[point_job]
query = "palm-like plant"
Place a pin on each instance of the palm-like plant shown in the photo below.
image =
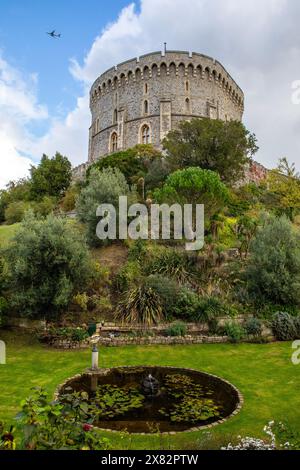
(172, 264)
(140, 304)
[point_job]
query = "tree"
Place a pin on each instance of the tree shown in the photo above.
(158, 170)
(194, 186)
(284, 182)
(47, 262)
(133, 163)
(15, 192)
(224, 147)
(104, 187)
(15, 212)
(51, 178)
(273, 272)
(68, 202)
(246, 229)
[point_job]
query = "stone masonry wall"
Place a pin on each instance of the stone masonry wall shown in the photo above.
(158, 91)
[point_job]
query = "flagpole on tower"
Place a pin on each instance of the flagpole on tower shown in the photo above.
(165, 48)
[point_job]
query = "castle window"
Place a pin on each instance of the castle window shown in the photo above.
(145, 134)
(187, 106)
(114, 142)
(146, 107)
(115, 116)
(187, 86)
(97, 126)
(146, 88)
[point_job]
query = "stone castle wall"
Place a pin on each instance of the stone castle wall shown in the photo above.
(141, 100)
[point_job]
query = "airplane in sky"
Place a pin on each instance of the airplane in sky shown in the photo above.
(54, 35)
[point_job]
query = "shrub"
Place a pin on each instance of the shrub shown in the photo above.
(137, 250)
(68, 203)
(253, 327)
(177, 329)
(187, 305)
(15, 212)
(297, 326)
(45, 206)
(81, 300)
(283, 326)
(234, 331)
(92, 329)
(140, 304)
(210, 308)
(75, 335)
(104, 187)
(48, 262)
(129, 274)
(3, 306)
(274, 268)
(45, 424)
(167, 289)
(173, 264)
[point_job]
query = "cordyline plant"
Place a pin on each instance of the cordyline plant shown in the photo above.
(140, 304)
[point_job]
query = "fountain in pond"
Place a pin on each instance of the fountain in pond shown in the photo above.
(150, 387)
(144, 399)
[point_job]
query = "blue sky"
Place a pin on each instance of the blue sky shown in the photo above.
(27, 47)
(44, 83)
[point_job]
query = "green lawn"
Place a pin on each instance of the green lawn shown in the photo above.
(264, 374)
(6, 233)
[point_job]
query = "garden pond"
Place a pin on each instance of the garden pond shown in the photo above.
(154, 399)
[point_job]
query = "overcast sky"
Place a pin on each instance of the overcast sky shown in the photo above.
(44, 83)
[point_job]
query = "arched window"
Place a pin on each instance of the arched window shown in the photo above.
(187, 86)
(114, 142)
(145, 134)
(146, 88)
(97, 125)
(187, 106)
(115, 116)
(146, 107)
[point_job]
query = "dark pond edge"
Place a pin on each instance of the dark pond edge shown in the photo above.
(103, 372)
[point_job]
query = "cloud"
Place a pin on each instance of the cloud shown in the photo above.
(18, 109)
(68, 136)
(258, 43)
(116, 41)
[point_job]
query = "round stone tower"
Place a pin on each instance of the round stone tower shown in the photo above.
(142, 99)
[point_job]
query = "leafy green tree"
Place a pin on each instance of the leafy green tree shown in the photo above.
(224, 147)
(158, 170)
(284, 182)
(51, 178)
(48, 262)
(194, 186)
(15, 212)
(246, 228)
(133, 163)
(273, 272)
(68, 202)
(45, 206)
(104, 187)
(16, 191)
